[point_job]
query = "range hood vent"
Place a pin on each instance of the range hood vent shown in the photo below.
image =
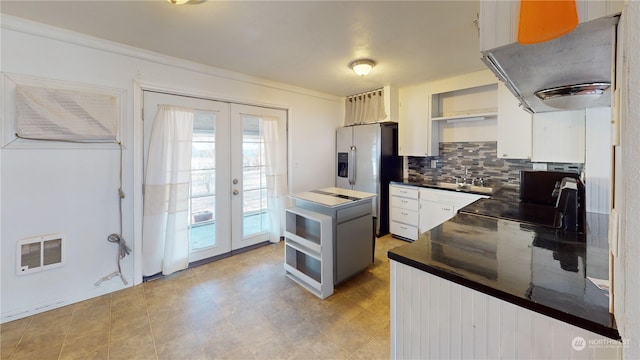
(575, 68)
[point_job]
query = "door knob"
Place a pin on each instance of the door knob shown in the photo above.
(235, 181)
(236, 192)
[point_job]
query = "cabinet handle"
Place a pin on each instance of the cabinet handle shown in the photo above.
(404, 213)
(403, 228)
(445, 209)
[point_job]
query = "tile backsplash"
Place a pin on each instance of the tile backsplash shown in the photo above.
(482, 160)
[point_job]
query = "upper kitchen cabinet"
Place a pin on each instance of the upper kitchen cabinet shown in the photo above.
(559, 137)
(499, 19)
(413, 132)
(391, 103)
(514, 127)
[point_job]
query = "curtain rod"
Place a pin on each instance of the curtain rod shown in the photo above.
(366, 93)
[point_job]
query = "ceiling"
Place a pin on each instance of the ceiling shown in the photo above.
(304, 43)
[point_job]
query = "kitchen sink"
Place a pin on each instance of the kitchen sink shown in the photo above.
(465, 187)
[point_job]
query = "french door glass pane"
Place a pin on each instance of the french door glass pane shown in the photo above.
(255, 217)
(202, 217)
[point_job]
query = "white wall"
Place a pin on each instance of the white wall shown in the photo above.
(74, 190)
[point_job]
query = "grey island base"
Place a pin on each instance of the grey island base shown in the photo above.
(329, 237)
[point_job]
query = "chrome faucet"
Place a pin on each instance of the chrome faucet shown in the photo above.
(466, 174)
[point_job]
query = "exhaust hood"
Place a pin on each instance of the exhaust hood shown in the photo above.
(570, 72)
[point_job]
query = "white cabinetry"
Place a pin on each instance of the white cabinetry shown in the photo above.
(415, 210)
(308, 250)
(434, 213)
(499, 19)
(438, 206)
(559, 137)
(404, 217)
(462, 108)
(413, 132)
(514, 127)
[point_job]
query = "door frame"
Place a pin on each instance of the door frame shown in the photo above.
(139, 87)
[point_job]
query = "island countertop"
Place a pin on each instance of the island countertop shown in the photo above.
(535, 267)
(332, 196)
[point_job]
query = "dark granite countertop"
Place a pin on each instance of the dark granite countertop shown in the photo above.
(532, 266)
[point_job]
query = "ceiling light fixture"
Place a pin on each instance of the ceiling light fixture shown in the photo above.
(362, 66)
(178, 2)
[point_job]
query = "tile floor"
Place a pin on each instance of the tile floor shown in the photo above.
(242, 307)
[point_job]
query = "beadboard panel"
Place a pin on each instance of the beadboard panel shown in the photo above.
(598, 160)
(433, 318)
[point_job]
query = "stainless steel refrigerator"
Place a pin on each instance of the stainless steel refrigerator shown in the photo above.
(367, 159)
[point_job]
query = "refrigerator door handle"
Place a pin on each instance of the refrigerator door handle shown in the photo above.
(352, 165)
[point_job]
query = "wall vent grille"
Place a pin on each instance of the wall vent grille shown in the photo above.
(40, 253)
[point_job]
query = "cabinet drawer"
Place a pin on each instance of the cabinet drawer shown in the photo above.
(405, 191)
(404, 216)
(404, 203)
(406, 231)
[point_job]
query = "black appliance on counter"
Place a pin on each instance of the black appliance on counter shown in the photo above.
(562, 190)
(540, 187)
(547, 198)
(570, 206)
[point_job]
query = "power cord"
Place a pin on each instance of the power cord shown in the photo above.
(123, 249)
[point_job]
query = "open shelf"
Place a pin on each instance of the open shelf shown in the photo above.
(469, 116)
(309, 250)
(465, 103)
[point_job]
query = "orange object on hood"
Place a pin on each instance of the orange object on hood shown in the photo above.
(542, 20)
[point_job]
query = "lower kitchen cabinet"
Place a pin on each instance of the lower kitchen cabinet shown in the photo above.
(438, 206)
(434, 213)
(404, 217)
(415, 210)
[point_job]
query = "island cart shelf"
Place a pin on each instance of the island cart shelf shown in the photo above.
(309, 250)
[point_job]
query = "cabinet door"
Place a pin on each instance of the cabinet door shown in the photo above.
(413, 133)
(433, 213)
(498, 22)
(559, 137)
(514, 127)
(499, 19)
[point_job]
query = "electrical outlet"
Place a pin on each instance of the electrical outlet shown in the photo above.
(434, 164)
(540, 166)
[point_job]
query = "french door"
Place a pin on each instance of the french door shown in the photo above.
(228, 191)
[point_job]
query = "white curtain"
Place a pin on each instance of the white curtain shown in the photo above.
(365, 108)
(165, 230)
(275, 143)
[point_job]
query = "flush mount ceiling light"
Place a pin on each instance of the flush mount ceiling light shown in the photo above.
(178, 2)
(362, 66)
(577, 96)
